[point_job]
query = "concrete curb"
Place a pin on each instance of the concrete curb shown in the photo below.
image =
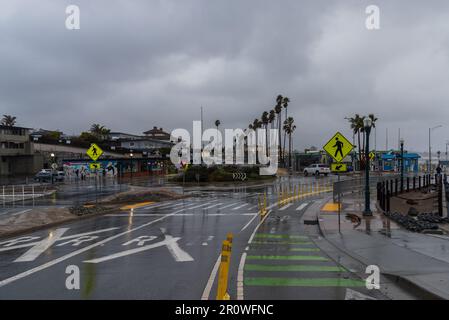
(423, 289)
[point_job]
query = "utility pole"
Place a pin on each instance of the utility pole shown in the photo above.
(429, 168)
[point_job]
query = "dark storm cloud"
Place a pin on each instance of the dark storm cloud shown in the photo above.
(135, 64)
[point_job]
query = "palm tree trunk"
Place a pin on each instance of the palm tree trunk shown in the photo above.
(360, 150)
(290, 152)
(280, 141)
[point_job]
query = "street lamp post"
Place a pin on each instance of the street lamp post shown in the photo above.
(402, 165)
(367, 124)
(132, 165)
(52, 155)
(429, 168)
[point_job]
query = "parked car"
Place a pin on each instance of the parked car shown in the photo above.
(317, 169)
(46, 176)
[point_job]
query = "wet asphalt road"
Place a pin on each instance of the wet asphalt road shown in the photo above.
(169, 250)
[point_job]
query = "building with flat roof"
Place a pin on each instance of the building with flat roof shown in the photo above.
(17, 152)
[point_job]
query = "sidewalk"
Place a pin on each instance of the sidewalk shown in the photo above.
(420, 260)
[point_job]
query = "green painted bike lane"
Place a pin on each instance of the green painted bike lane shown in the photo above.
(282, 262)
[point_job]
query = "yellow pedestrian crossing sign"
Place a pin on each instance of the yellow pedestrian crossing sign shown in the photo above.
(339, 167)
(94, 152)
(338, 147)
(95, 166)
(371, 155)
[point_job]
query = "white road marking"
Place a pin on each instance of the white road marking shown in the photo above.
(212, 206)
(355, 295)
(250, 208)
(302, 206)
(30, 244)
(240, 294)
(178, 215)
(271, 206)
(249, 222)
(285, 207)
(227, 206)
(76, 242)
(41, 246)
(74, 253)
(210, 281)
(240, 277)
(140, 240)
(201, 205)
(243, 205)
(171, 242)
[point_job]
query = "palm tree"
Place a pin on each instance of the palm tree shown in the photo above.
(357, 127)
(271, 118)
(285, 102)
(289, 127)
(99, 131)
(264, 121)
(8, 121)
(278, 110)
(217, 124)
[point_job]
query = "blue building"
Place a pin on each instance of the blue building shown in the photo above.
(391, 161)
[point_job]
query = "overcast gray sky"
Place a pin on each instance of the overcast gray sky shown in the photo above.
(138, 64)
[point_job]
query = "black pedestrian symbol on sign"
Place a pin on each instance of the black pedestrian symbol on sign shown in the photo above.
(94, 151)
(339, 145)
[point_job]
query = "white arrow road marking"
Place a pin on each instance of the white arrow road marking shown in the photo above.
(285, 207)
(9, 244)
(41, 246)
(74, 253)
(243, 205)
(302, 206)
(355, 295)
(171, 242)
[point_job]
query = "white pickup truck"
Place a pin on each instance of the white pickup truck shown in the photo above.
(317, 169)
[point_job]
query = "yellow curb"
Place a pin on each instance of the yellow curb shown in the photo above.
(136, 205)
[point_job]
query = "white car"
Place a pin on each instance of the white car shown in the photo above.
(317, 169)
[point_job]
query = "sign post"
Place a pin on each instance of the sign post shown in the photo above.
(94, 152)
(338, 147)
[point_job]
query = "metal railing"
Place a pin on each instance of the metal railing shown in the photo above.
(14, 193)
(357, 185)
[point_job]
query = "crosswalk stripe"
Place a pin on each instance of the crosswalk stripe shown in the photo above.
(243, 205)
(302, 206)
(285, 207)
(212, 206)
(201, 205)
(227, 206)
